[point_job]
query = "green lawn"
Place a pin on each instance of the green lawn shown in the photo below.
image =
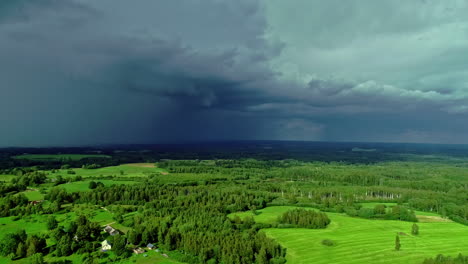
(45, 157)
(6, 177)
(365, 241)
(31, 224)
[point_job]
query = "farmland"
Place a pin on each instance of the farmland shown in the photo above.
(364, 241)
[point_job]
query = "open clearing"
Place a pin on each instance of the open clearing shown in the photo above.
(45, 157)
(363, 240)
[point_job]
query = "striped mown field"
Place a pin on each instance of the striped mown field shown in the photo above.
(361, 241)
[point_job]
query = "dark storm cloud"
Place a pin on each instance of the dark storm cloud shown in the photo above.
(69, 77)
(84, 72)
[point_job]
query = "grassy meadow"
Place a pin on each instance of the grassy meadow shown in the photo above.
(125, 170)
(83, 186)
(360, 240)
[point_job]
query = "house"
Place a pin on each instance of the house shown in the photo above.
(36, 202)
(105, 245)
(138, 250)
(111, 231)
(150, 246)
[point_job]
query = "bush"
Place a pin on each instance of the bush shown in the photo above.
(328, 242)
(92, 185)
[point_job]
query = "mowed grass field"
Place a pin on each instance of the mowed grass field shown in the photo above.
(365, 241)
(45, 157)
(83, 186)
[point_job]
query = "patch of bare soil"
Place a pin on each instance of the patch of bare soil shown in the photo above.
(432, 219)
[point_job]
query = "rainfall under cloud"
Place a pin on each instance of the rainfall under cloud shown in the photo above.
(75, 72)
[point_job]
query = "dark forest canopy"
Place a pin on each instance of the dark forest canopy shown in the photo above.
(352, 152)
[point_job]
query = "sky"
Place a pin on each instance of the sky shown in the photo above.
(84, 72)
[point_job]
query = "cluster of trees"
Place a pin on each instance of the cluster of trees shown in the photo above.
(30, 179)
(304, 218)
(12, 204)
(19, 245)
(441, 259)
(79, 236)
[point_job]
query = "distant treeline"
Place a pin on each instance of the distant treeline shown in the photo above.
(441, 259)
(236, 150)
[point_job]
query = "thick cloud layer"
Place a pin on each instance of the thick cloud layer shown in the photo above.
(76, 72)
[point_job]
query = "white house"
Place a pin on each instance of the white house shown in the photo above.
(105, 245)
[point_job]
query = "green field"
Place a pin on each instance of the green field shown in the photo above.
(83, 186)
(51, 157)
(365, 241)
(6, 177)
(34, 195)
(32, 224)
(137, 170)
(126, 170)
